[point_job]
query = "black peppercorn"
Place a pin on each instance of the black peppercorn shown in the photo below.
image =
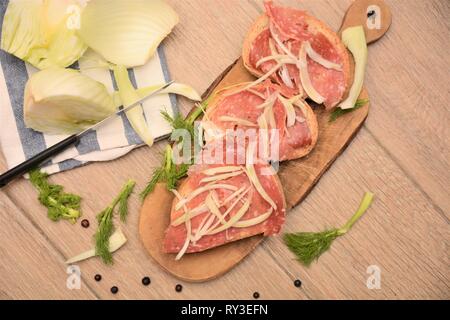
(297, 283)
(146, 281)
(256, 295)
(114, 290)
(178, 288)
(98, 277)
(85, 223)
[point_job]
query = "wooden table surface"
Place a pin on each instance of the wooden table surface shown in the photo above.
(402, 154)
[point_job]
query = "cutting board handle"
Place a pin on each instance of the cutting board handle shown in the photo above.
(373, 15)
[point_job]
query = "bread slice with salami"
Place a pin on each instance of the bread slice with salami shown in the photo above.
(263, 106)
(218, 204)
(299, 52)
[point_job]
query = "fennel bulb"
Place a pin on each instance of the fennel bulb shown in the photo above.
(129, 95)
(64, 101)
(39, 32)
(126, 32)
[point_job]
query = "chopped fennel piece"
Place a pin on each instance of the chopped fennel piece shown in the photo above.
(129, 95)
(354, 39)
(116, 241)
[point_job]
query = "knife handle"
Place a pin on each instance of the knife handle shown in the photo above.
(36, 160)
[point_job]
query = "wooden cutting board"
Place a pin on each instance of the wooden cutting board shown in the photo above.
(333, 139)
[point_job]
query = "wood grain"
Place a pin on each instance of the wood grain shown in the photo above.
(402, 154)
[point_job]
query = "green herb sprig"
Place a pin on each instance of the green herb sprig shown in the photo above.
(169, 172)
(309, 246)
(338, 112)
(60, 205)
(106, 224)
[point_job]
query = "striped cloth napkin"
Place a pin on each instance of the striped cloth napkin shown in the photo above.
(109, 142)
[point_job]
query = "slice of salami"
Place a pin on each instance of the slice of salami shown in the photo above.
(271, 218)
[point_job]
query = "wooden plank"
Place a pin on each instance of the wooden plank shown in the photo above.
(401, 233)
(30, 266)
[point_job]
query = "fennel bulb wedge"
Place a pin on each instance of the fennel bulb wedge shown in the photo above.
(37, 31)
(64, 101)
(126, 32)
(129, 95)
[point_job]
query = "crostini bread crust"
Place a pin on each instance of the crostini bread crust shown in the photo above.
(310, 117)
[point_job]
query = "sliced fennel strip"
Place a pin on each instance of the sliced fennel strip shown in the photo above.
(254, 221)
(251, 173)
(188, 228)
(239, 214)
(256, 93)
(225, 169)
(254, 83)
(302, 65)
(203, 208)
(289, 109)
(319, 59)
(222, 176)
(200, 190)
(227, 212)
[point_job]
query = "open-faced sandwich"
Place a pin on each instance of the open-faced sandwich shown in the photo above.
(299, 52)
(218, 204)
(263, 106)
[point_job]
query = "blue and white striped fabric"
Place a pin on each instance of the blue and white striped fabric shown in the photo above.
(114, 140)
